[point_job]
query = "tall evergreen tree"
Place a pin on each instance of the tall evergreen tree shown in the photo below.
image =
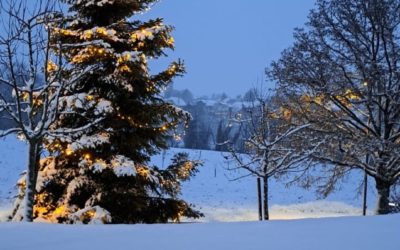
(104, 174)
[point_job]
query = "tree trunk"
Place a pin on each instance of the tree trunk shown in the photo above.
(31, 179)
(383, 189)
(365, 193)
(260, 217)
(266, 211)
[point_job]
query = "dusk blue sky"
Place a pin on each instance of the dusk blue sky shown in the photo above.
(226, 44)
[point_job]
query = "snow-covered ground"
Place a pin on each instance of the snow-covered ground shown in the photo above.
(222, 199)
(213, 191)
(350, 233)
(13, 155)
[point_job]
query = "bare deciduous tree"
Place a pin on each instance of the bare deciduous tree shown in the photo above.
(344, 75)
(32, 82)
(272, 147)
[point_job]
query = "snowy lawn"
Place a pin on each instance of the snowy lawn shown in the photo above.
(221, 199)
(13, 155)
(346, 233)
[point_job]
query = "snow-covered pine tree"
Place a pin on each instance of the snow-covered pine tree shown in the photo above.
(103, 175)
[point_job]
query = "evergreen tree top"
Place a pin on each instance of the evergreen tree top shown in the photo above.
(108, 11)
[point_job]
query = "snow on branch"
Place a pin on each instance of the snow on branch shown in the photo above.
(33, 78)
(272, 146)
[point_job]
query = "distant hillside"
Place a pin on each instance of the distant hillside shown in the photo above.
(213, 120)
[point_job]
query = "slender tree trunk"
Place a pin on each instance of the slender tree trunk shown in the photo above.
(31, 179)
(266, 210)
(365, 193)
(383, 189)
(260, 216)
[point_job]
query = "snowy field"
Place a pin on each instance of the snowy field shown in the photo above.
(221, 199)
(350, 233)
(12, 162)
(213, 191)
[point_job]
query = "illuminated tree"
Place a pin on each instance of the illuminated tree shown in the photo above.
(103, 175)
(344, 66)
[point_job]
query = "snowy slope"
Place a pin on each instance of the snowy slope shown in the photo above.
(212, 190)
(13, 157)
(349, 233)
(222, 199)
